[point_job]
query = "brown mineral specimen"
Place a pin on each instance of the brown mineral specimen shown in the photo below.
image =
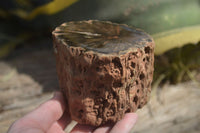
(105, 69)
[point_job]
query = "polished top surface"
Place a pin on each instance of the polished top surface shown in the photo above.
(100, 36)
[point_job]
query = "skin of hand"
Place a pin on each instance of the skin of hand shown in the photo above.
(53, 117)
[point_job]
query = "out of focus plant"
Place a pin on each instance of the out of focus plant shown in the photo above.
(178, 64)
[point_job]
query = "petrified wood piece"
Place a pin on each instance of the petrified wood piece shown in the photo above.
(105, 69)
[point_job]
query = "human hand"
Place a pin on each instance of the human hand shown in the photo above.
(53, 117)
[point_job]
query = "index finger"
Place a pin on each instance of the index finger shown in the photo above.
(49, 112)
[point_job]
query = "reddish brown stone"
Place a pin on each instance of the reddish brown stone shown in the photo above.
(105, 69)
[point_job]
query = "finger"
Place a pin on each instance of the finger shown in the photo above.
(60, 124)
(56, 128)
(104, 129)
(49, 112)
(126, 124)
(64, 120)
(82, 129)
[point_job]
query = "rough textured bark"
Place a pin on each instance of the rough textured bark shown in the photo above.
(105, 69)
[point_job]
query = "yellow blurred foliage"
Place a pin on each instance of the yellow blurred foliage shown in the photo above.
(47, 9)
(176, 38)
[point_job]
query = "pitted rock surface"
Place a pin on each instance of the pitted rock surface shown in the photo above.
(105, 69)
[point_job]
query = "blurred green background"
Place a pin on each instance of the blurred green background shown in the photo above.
(174, 25)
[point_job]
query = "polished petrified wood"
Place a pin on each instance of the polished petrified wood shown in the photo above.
(105, 69)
